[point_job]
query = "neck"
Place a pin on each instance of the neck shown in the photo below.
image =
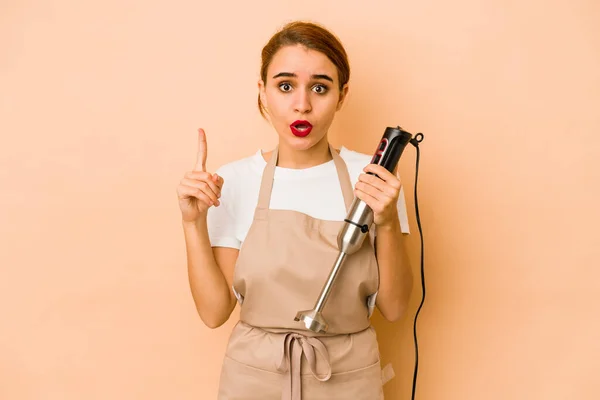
(300, 159)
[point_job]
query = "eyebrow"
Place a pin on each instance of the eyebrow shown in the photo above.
(292, 75)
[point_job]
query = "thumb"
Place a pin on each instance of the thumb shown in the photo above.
(218, 180)
(202, 150)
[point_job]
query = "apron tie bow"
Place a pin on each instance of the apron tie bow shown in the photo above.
(294, 346)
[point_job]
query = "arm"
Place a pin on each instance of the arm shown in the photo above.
(381, 194)
(395, 273)
(210, 274)
(210, 271)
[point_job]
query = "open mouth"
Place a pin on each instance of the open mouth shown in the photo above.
(301, 128)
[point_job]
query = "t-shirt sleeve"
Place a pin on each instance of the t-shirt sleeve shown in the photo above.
(402, 213)
(221, 220)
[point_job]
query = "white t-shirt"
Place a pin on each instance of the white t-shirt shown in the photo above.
(314, 191)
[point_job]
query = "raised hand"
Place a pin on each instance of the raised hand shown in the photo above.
(199, 189)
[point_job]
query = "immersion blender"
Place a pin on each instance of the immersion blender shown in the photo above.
(357, 224)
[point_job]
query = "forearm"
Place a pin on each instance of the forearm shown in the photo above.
(395, 273)
(208, 284)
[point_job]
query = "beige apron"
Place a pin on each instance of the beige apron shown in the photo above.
(281, 268)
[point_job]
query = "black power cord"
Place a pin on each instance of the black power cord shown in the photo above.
(415, 142)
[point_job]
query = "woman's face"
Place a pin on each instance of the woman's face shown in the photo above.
(301, 85)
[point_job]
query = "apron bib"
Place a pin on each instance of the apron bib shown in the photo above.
(282, 265)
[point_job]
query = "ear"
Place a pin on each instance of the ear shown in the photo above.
(343, 94)
(262, 94)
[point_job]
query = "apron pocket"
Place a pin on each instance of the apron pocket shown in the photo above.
(242, 382)
(359, 384)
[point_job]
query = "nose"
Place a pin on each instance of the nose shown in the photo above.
(302, 102)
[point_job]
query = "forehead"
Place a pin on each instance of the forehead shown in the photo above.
(301, 61)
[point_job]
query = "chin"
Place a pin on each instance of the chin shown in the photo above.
(303, 143)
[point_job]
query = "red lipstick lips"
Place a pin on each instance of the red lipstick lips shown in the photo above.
(301, 128)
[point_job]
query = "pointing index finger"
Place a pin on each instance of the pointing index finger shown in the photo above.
(202, 150)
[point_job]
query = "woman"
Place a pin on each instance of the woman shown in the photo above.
(270, 240)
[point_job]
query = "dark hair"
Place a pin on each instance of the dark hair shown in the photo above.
(312, 36)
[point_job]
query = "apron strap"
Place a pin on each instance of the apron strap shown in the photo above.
(266, 185)
(344, 177)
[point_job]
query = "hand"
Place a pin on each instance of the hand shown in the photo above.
(199, 190)
(381, 194)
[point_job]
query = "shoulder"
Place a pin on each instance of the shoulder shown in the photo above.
(355, 161)
(241, 179)
(355, 157)
(241, 168)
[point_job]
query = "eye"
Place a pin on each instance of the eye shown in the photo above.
(285, 86)
(320, 89)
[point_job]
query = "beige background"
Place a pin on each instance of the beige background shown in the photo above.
(99, 105)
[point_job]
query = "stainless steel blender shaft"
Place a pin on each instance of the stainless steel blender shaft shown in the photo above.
(349, 239)
(327, 287)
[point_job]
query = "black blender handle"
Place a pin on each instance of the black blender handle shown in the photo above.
(390, 148)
